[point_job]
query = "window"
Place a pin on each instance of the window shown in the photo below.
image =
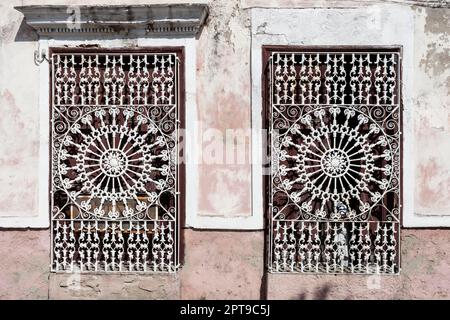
(334, 124)
(115, 178)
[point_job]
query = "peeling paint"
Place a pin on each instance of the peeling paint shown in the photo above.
(434, 188)
(227, 265)
(223, 99)
(18, 186)
(438, 21)
(437, 59)
(432, 125)
(225, 191)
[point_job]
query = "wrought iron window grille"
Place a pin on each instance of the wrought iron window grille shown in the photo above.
(334, 188)
(115, 175)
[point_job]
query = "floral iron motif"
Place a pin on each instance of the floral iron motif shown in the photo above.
(334, 126)
(114, 175)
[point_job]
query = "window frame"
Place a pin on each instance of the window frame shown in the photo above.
(180, 52)
(266, 52)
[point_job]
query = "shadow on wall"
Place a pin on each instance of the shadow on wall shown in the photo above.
(320, 294)
(25, 33)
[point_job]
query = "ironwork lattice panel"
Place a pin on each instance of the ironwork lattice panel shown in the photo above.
(334, 121)
(114, 150)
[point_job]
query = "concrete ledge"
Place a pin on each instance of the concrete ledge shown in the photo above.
(51, 20)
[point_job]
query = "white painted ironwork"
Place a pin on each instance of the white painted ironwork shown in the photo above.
(115, 189)
(334, 126)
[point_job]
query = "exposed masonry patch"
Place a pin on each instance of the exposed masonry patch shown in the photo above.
(340, 4)
(426, 3)
(261, 28)
(283, 38)
(437, 60)
(437, 25)
(437, 21)
(224, 20)
(145, 288)
(104, 286)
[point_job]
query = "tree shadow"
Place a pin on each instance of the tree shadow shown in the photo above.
(320, 294)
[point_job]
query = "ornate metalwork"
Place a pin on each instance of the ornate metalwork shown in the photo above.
(114, 148)
(334, 126)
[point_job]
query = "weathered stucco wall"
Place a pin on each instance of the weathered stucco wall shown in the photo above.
(224, 103)
(217, 265)
(108, 286)
(432, 101)
(423, 34)
(25, 272)
(223, 264)
(19, 95)
(424, 275)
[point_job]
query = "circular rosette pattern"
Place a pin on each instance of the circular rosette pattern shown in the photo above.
(116, 163)
(333, 163)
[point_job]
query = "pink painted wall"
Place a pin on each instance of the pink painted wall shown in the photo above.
(19, 130)
(432, 128)
(424, 275)
(218, 265)
(224, 265)
(223, 98)
(24, 272)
